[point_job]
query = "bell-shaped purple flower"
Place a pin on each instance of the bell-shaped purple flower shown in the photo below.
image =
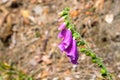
(68, 44)
(72, 52)
(67, 38)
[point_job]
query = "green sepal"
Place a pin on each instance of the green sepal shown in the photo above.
(104, 75)
(87, 53)
(94, 60)
(65, 16)
(93, 55)
(75, 35)
(103, 72)
(67, 23)
(70, 27)
(67, 9)
(63, 13)
(100, 65)
(80, 43)
(83, 50)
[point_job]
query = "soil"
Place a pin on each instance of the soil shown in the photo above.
(28, 37)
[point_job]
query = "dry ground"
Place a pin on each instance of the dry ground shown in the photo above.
(28, 37)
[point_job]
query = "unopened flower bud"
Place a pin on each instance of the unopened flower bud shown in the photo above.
(83, 50)
(62, 26)
(87, 53)
(93, 55)
(103, 72)
(94, 60)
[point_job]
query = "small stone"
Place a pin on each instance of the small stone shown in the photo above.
(67, 78)
(109, 18)
(77, 76)
(38, 10)
(74, 67)
(4, 1)
(56, 78)
(118, 75)
(33, 62)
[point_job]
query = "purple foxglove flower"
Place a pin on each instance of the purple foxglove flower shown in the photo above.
(72, 52)
(62, 26)
(67, 38)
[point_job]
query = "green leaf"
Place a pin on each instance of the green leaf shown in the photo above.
(30, 78)
(1, 78)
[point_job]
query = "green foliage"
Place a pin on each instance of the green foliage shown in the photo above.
(10, 72)
(37, 34)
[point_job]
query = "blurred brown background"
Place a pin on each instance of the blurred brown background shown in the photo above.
(28, 37)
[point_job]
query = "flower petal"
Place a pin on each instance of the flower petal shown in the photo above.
(68, 45)
(67, 39)
(72, 52)
(61, 46)
(62, 33)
